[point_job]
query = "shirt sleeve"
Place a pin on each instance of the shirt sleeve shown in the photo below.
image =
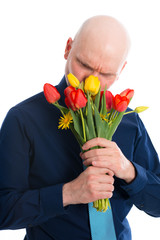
(144, 191)
(20, 206)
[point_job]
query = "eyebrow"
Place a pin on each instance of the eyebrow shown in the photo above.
(89, 67)
(84, 64)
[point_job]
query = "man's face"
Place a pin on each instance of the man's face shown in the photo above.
(84, 60)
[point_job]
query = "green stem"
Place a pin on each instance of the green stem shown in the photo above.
(57, 105)
(128, 112)
(63, 110)
(115, 115)
(83, 126)
(112, 115)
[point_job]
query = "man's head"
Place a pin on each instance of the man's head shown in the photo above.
(99, 48)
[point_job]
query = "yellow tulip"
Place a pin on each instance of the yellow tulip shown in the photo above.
(73, 80)
(92, 85)
(140, 109)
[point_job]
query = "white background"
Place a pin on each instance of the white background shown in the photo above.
(33, 34)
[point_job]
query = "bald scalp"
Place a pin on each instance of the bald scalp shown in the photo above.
(100, 48)
(105, 33)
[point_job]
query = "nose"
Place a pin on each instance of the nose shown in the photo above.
(95, 73)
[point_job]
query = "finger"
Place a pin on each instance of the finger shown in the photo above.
(106, 179)
(96, 170)
(102, 195)
(96, 152)
(89, 161)
(102, 179)
(101, 142)
(104, 187)
(109, 163)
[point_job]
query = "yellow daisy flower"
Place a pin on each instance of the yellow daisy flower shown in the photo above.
(65, 121)
(103, 117)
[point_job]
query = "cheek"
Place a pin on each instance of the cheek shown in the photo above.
(78, 72)
(107, 82)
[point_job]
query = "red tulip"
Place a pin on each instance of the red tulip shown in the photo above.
(80, 99)
(127, 93)
(75, 99)
(67, 90)
(51, 93)
(69, 105)
(109, 99)
(69, 100)
(120, 103)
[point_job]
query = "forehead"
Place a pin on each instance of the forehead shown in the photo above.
(98, 57)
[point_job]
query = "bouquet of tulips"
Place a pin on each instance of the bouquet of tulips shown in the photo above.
(90, 112)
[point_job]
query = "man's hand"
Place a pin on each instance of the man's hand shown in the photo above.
(92, 184)
(108, 156)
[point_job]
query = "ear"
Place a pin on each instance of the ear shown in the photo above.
(68, 47)
(122, 69)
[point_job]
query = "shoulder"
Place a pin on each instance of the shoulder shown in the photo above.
(31, 109)
(130, 128)
(131, 120)
(31, 101)
(28, 105)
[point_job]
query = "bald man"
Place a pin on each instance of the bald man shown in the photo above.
(103, 57)
(43, 186)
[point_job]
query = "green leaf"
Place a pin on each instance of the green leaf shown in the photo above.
(77, 122)
(61, 108)
(114, 125)
(106, 129)
(98, 123)
(87, 130)
(90, 121)
(97, 99)
(102, 126)
(103, 107)
(77, 136)
(81, 86)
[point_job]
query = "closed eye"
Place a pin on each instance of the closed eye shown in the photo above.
(109, 74)
(84, 64)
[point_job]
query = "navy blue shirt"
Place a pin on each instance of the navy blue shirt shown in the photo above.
(36, 159)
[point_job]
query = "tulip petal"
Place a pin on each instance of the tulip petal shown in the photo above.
(80, 99)
(127, 93)
(73, 80)
(51, 93)
(122, 106)
(92, 85)
(68, 90)
(120, 103)
(140, 109)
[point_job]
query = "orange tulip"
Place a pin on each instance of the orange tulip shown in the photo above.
(120, 103)
(127, 93)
